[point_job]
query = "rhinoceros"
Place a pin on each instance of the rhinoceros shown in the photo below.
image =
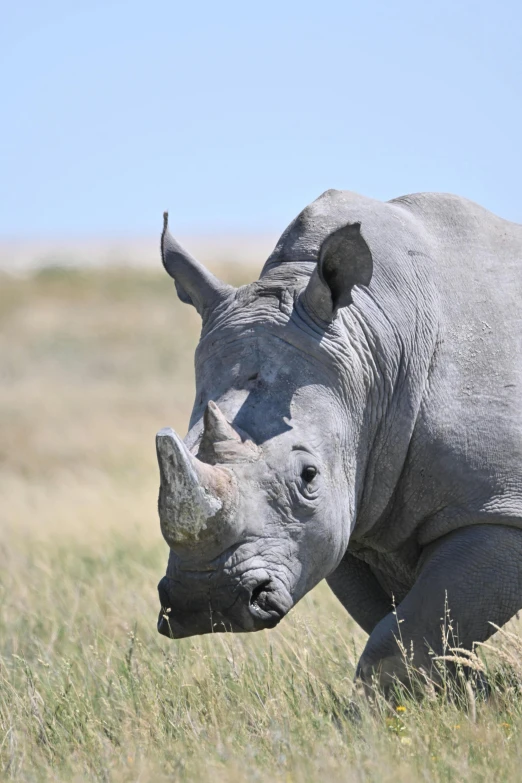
(358, 418)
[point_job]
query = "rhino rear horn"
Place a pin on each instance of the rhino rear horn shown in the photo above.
(217, 428)
(221, 442)
(195, 284)
(196, 501)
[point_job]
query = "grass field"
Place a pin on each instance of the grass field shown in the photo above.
(92, 365)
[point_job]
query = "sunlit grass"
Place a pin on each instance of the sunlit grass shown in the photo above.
(92, 365)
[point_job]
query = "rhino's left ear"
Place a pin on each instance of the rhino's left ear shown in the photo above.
(195, 284)
(345, 260)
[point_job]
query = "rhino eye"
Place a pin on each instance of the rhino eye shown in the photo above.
(309, 473)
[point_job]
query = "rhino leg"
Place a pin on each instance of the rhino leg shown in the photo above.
(468, 579)
(356, 587)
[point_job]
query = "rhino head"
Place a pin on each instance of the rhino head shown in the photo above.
(258, 501)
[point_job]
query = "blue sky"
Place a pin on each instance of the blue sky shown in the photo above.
(235, 115)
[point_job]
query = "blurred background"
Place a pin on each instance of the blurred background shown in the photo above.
(233, 116)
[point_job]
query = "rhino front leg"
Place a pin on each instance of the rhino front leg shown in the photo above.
(360, 593)
(476, 572)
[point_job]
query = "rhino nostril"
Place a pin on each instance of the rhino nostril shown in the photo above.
(258, 597)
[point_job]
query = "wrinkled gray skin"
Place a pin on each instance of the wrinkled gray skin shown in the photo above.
(367, 429)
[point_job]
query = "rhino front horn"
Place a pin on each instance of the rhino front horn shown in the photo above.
(196, 501)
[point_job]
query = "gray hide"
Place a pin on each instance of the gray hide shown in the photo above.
(358, 417)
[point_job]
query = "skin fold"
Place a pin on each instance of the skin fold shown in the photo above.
(358, 417)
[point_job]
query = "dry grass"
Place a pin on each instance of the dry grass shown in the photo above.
(93, 364)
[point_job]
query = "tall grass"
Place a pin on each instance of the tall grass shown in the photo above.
(92, 365)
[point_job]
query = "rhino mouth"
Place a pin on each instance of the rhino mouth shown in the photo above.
(186, 612)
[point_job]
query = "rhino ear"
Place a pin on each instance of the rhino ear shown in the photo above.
(194, 284)
(344, 260)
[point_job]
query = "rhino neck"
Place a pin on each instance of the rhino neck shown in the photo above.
(397, 334)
